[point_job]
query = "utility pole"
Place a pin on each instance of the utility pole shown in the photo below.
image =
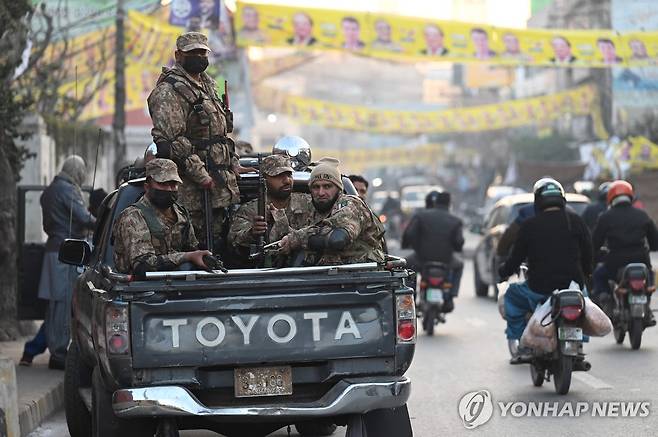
(119, 120)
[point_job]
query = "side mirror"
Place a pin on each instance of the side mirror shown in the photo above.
(74, 252)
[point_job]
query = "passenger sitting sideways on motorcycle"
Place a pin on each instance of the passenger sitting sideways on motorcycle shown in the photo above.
(435, 235)
(557, 247)
(625, 231)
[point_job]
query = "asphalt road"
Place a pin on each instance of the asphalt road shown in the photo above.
(469, 353)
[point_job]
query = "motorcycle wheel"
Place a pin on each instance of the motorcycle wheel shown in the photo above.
(635, 333)
(428, 321)
(620, 334)
(537, 375)
(562, 374)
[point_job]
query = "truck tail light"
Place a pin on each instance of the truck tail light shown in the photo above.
(117, 330)
(406, 318)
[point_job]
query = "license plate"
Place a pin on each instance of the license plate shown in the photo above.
(435, 295)
(263, 381)
(569, 333)
(639, 299)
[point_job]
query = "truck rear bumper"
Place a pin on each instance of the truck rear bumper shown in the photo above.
(357, 395)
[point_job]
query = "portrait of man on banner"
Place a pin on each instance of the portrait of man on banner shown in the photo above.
(250, 29)
(561, 51)
(384, 39)
(351, 34)
(480, 39)
(302, 25)
(434, 41)
(608, 51)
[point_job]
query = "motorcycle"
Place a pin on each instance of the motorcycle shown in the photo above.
(435, 292)
(567, 316)
(631, 303)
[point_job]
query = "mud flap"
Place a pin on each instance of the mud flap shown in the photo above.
(381, 423)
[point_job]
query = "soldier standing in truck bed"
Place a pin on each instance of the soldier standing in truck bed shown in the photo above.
(190, 126)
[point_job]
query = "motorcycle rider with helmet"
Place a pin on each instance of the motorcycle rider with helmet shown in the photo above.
(435, 235)
(629, 234)
(557, 247)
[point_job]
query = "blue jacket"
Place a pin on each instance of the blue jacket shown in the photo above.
(61, 204)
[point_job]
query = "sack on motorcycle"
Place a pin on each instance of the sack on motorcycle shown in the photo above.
(596, 323)
(540, 334)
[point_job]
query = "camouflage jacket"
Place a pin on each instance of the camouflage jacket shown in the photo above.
(185, 113)
(296, 215)
(134, 244)
(365, 231)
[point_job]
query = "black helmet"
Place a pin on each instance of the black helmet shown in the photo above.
(548, 193)
(603, 191)
(435, 199)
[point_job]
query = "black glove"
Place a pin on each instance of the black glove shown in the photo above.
(214, 263)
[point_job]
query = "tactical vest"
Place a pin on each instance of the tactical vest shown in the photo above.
(156, 229)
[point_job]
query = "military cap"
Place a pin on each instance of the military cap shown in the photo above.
(274, 165)
(192, 40)
(162, 170)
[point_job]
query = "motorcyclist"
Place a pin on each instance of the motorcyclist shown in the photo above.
(557, 247)
(595, 209)
(626, 231)
(435, 235)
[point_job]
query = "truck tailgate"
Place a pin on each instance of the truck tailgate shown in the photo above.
(229, 329)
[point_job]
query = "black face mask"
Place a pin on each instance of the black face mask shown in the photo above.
(162, 199)
(195, 64)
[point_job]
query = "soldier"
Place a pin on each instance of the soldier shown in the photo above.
(344, 229)
(286, 210)
(190, 124)
(155, 233)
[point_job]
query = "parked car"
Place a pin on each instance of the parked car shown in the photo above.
(499, 218)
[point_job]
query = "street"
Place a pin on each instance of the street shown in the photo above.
(469, 353)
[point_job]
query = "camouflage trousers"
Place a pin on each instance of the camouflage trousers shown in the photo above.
(218, 226)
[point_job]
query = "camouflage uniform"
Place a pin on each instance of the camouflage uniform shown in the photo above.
(145, 238)
(190, 126)
(364, 229)
(295, 215)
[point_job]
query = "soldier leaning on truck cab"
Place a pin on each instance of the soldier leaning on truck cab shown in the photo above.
(155, 234)
(344, 229)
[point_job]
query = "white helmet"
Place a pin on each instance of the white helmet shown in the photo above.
(296, 148)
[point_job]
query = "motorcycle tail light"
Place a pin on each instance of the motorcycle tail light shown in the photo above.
(435, 282)
(406, 318)
(117, 332)
(637, 284)
(571, 312)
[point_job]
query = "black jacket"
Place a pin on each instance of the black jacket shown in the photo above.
(434, 234)
(628, 233)
(592, 213)
(558, 249)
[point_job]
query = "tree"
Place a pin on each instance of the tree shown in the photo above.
(14, 14)
(31, 74)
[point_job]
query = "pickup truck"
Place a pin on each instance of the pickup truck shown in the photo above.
(243, 352)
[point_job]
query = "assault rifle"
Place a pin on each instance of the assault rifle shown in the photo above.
(256, 251)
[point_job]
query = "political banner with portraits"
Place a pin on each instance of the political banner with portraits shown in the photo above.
(416, 39)
(541, 111)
